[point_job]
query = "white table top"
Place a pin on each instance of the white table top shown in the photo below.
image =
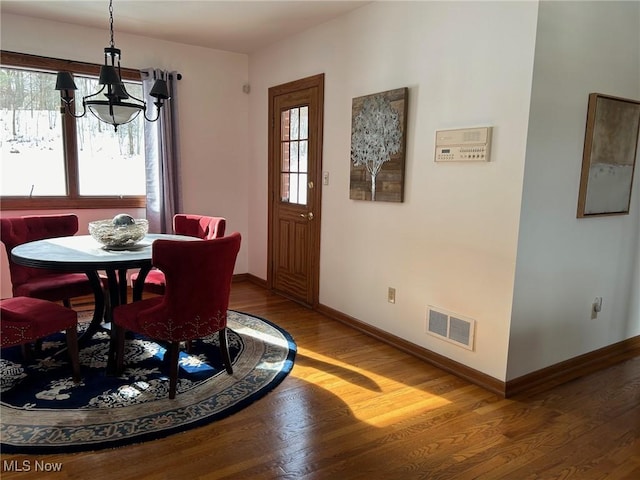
(80, 253)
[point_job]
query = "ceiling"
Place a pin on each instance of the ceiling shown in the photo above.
(236, 26)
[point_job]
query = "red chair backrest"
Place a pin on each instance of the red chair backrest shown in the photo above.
(15, 231)
(198, 283)
(200, 226)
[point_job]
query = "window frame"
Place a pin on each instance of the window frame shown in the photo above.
(70, 145)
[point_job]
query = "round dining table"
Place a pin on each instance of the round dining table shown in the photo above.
(83, 254)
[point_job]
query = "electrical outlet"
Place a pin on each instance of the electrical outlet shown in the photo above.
(596, 307)
(391, 295)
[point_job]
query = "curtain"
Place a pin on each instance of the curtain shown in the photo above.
(162, 160)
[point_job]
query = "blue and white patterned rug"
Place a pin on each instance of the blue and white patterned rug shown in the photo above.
(43, 411)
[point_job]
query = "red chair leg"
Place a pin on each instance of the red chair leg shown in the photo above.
(74, 355)
(224, 348)
(174, 354)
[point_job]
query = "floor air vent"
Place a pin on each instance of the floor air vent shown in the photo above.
(451, 327)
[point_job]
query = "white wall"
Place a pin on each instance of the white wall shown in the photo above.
(452, 242)
(212, 113)
(564, 262)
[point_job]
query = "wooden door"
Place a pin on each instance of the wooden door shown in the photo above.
(295, 188)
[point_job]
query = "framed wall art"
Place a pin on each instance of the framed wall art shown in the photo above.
(378, 124)
(609, 156)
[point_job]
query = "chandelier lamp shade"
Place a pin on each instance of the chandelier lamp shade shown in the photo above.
(112, 103)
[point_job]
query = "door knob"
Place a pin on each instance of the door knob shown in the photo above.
(308, 216)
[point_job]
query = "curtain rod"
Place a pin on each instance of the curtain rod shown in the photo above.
(178, 74)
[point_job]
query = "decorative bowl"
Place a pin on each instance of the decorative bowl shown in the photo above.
(118, 236)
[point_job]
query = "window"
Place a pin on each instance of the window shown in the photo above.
(294, 142)
(51, 160)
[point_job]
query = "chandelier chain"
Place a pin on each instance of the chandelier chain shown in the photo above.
(111, 21)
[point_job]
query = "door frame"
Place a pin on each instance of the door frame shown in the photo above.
(316, 81)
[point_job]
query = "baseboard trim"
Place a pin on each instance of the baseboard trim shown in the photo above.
(527, 384)
(573, 368)
(530, 383)
(474, 376)
(247, 277)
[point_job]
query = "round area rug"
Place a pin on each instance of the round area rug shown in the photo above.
(43, 411)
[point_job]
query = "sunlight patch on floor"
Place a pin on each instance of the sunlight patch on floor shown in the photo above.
(401, 398)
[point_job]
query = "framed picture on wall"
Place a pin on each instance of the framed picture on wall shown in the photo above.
(378, 124)
(609, 156)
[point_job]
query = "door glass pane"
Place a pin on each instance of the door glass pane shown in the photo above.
(302, 156)
(284, 124)
(304, 122)
(302, 197)
(31, 134)
(293, 189)
(110, 162)
(293, 159)
(285, 156)
(284, 187)
(294, 123)
(294, 127)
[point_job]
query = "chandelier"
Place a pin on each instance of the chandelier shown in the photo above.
(120, 107)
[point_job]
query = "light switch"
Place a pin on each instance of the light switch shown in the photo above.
(325, 178)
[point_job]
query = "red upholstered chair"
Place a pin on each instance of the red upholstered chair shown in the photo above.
(38, 282)
(24, 320)
(198, 282)
(199, 226)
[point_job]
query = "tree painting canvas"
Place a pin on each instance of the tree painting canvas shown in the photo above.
(609, 157)
(378, 124)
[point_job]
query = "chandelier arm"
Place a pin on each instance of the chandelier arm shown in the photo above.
(68, 111)
(134, 97)
(87, 97)
(152, 119)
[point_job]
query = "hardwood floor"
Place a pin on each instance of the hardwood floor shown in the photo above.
(354, 408)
